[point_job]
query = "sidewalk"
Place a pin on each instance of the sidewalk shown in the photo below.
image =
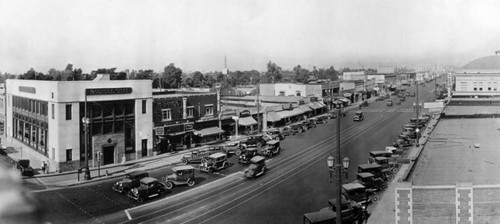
(384, 210)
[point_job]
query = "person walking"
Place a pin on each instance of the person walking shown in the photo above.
(43, 167)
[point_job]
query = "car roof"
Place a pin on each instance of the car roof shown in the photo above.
(136, 172)
(379, 152)
(217, 155)
(353, 186)
(381, 158)
(320, 216)
(147, 180)
(369, 165)
(365, 174)
(257, 159)
(185, 167)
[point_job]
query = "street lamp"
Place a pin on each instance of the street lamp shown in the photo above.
(417, 110)
(86, 122)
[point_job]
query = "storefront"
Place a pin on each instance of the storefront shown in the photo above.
(174, 137)
(274, 120)
(247, 125)
(209, 136)
(317, 108)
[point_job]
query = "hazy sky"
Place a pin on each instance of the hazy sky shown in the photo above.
(196, 35)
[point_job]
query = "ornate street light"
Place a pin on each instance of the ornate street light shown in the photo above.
(86, 122)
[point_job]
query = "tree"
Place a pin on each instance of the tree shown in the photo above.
(171, 76)
(300, 74)
(273, 74)
(198, 79)
(210, 80)
(144, 74)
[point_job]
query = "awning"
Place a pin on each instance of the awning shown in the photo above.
(178, 133)
(209, 131)
(289, 113)
(273, 116)
(347, 94)
(316, 105)
(305, 108)
(247, 121)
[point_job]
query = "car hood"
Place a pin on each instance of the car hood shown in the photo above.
(124, 181)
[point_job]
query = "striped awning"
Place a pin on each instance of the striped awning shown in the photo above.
(273, 116)
(247, 121)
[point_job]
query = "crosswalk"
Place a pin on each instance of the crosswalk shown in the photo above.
(388, 110)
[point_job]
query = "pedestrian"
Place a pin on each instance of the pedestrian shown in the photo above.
(47, 167)
(43, 167)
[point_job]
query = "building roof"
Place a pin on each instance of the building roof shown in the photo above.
(484, 63)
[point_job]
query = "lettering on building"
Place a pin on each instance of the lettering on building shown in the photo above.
(27, 89)
(108, 91)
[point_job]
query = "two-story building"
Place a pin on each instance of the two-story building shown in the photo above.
(48, 118)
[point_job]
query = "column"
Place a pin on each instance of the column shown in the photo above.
(404, 203)
(464, 203)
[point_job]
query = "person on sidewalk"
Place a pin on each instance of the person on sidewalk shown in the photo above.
(43, 167)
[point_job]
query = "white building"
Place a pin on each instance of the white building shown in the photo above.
(46, 116)
(354, 75)
(480, 77)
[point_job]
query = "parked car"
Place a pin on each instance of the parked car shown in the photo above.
(196, 156)
(255, 140)
(371, 182)
(297, 128)
(287, 131)
(214, 162)
(130, 181)
(234, 147)
(248, 154)
(271, 148)
(275, 133)
(23, 165)
(387, 164)
(350, 210)
(374, 154)
(324, 216)
(358, 116)
(308, 124)
(389, 103)
(358, 193)
(257, 167)
(322, 119)
(181, 175)
(394, 150)
(376, 170)
(149, 187)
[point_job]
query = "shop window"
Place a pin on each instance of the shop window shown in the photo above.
(190, 112)
(69, 154)
(68, 111)
(53, 112)
(143, 106)
(209, 109)
(282, 93)
(166, 114)
(297, 93)
(475, 88)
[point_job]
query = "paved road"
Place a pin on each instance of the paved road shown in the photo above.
(297, 181)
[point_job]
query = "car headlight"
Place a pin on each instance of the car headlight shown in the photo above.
(135, 191)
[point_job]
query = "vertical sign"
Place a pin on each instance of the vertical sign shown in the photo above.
(184, 112)
(449, 80)
(218, 101)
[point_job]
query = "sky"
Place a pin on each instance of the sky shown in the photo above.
(196, 35)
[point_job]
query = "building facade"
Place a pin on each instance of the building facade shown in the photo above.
(479, 78)
(47, 117)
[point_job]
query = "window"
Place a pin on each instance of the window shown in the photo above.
(69, 153)
(143, 106)
(166, 114)
(209, 109)
(297, 92)
(282, 93)
(481, 88)
(68, 111)
(190, 112)
(53, 113)
(475, 88)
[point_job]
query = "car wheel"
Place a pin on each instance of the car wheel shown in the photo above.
(237, 152)
(395, 170)
(375, 199)
(259, 144)
(390, 177)
(225, 165)
(169, 185)
(384, 187)
(263, 170)
(185, 161)
(190, 182)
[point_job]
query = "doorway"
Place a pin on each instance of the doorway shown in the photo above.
(144, 147)
(108, 153)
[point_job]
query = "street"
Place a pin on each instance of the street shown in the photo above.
(297, 180)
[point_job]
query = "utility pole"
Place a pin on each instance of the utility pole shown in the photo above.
(338, 166)
(258, 107)
(417, 110)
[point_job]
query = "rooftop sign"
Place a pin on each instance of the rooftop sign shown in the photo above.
(108, 91)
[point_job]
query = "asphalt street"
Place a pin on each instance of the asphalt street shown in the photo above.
(297, 181)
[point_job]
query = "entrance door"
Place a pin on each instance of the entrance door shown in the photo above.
(144, 147)
(108, 153)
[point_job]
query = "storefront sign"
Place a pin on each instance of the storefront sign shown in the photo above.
(160, 131)
(206, 118)
(177, 128)
(27, 89)
(108, 91)
(188, 126)
(245, 113)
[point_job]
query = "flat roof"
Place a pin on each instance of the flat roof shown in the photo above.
(460, 150)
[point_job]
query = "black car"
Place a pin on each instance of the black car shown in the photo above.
(149, 187)
(257, 140)
(23, 165)
(130, 181)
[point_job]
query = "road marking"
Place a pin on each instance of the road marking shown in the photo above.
(128, 215)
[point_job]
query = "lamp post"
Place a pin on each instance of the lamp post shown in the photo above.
(86, 122)
(417, 106)
(340, 164)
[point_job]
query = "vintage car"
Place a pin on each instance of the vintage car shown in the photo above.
(196, 156)
(275, 133)
(374, 154)
(309, 123)
(23, 165)
(389, 103)
(388, 164)
(364, 104)
(255, 140)
(409, 132)
(413, 125)
(257, 167)
(234, 147)
(287, 131)
(149, 187)
(376, 170)
(248, 154)
(298, 128)
(358, 193)
(358, 116)
(321, 119)
(401, 143)
(214, 162)
(371, 182)
(324, 216)
(181, 175)
(130, 181)
(271, 148)
(350, 210)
